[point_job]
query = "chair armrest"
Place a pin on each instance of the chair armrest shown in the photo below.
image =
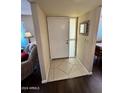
(26, 68)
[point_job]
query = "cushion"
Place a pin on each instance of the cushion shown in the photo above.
(24, 56)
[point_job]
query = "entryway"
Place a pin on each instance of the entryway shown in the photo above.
(62, 41)
(66, 68)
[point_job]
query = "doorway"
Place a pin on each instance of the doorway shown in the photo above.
(62, 37)
(58, 29)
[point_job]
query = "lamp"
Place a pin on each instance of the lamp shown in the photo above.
(28, 35)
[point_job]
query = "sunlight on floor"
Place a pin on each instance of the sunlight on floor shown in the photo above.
(66, 68)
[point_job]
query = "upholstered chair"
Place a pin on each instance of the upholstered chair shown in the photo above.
(27, 66)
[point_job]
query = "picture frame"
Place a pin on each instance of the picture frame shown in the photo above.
(84, 28)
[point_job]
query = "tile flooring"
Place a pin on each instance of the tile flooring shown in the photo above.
(66, 68)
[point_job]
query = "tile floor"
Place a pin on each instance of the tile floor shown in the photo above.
(66, 68)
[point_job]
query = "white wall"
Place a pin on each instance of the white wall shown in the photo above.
(44, 39)
(29, 26)
(86, 44)
(39, 19)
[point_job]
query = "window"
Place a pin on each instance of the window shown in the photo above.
(72, 37)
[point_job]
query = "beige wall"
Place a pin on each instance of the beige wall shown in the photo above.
(44, 39)
(86, 44)
(40, 24)
(29, 26)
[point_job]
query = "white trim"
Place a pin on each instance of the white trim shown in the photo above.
(44, 81)
(90, 73)
(48, 74)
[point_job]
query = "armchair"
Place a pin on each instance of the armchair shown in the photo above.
(28, 65)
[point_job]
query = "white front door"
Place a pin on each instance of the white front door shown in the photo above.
(58, 29)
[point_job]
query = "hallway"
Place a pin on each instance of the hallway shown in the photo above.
(66, 68)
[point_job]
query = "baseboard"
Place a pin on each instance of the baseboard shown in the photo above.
(44, 81)
(90, 73)
(47, 76)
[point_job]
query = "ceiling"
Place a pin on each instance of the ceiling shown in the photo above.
(71, 8)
